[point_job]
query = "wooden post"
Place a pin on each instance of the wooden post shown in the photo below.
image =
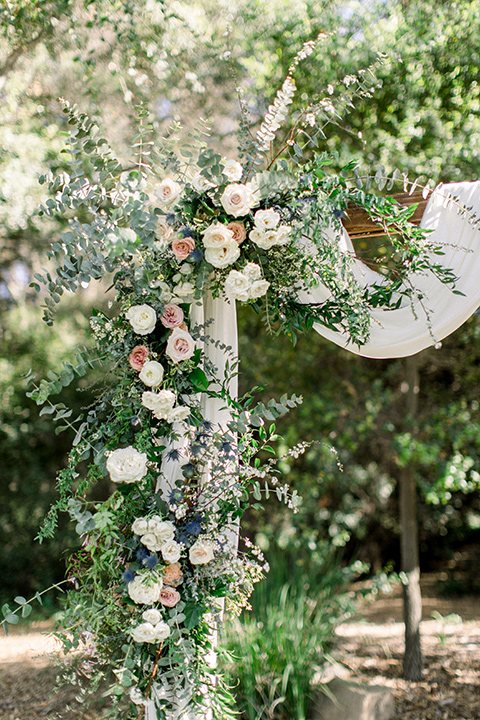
(412, 608)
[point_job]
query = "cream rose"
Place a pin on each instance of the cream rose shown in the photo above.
(265, 239)
(163, 529)
(178, 414)
(252, 271)
(217, 236)
(266, 219)
(152, 616)
(145, 590)
(200, 183)
(151, 541)
(159, 403)
(151, 373)
(184, 291)
(163, 232)
(145, 632)
(283, 234)
(127, 465)
(142, 318)
(140, 526)
(222, 256)
(232, 170)
(180, 345)
(168, 191)
(171, 551)
(162, 631)
(236, 286)
(258, 288)
(201, 553)
(237, 200)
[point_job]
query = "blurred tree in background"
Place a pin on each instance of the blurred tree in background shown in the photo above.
(185, 60)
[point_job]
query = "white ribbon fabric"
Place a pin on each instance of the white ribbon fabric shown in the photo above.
(412, 328)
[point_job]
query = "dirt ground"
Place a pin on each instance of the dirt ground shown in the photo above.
(369, 649)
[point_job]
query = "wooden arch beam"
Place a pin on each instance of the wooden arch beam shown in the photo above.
(359, 225)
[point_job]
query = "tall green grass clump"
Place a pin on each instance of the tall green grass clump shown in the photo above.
(279, 647)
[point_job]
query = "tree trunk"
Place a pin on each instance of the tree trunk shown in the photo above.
(412, 598)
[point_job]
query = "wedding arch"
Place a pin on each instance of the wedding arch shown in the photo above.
(183, 236)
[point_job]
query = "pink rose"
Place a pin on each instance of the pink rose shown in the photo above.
(172, 316)
(182, 247)
(172, 575)
(180, 346)
(138, 357)
(239, 232)
(169, 597)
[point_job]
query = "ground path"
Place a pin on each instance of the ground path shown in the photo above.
(369, 649)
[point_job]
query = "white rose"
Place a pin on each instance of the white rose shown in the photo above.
(159, 403)
(151, 373)
(126, 465)
(258, 288)
(237, 200)
(223, 256)
(233, 170)
(178, 414)
(163, 232)
(201, 553)
(236, 286)
(180, 345)
(144, 590)
(145, 632)
(217, 236)
(162, 631)
(142, 318)
(171, 551)
(252, 271)
(283, 234)
(266, 219)
(151, 541)
(200, 183)
(152, 616)
(168, 191)
(265, 239)
(163, 529)
(140, 526)
(184, 291)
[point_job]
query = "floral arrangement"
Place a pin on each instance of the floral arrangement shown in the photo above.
(158, 561)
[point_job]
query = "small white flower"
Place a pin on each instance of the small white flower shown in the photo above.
(201, 553)
(162, 631)
(159, 403)
(163, 529)
(266, 219)
(171, 551)
(145, 632)
(201, 184)
(168, 191)
(163, 232)
(220, 257)
(127, 465)
(152, 616)
(184, 291)
(265, 239)
(232, 170)
(236, 286)
(178, 414)
(151, 373)
(283, 234)
(142, 318)
(151, 541)
(252, 271)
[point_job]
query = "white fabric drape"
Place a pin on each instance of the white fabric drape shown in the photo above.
(406, 331)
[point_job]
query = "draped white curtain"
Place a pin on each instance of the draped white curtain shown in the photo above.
(410, 329)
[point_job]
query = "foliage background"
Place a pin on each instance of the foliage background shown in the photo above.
(185, 59)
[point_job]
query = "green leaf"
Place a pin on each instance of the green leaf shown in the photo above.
(12, 619)
(198, 379)
(20, 600)
(26, 611)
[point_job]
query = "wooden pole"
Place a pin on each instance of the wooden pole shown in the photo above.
(358, 224)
